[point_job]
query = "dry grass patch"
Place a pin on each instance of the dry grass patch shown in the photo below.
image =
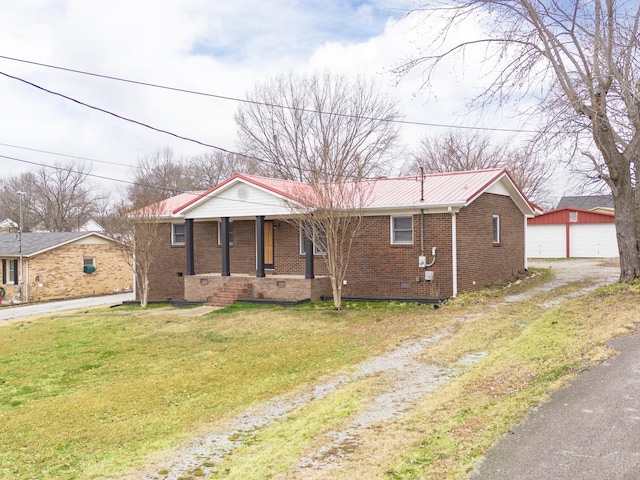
(519, 370)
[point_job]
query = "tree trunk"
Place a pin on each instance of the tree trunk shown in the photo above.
(144, 297)
(623, 189)
(627, 231)
(336, 287)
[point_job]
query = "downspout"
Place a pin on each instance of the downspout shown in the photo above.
(526, 264)
(422, 211)
(422, 231)
(454, 254)
(25, 285)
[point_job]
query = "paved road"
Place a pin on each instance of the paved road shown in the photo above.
(587, 431)
(19, 311)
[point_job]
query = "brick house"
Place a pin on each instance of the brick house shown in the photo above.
(62, 265)
(239, 236)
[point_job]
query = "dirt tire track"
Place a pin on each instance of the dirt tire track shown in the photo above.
(410, 380)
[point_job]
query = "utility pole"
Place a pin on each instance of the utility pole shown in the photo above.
(20, 273)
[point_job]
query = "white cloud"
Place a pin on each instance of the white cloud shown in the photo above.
(216, 47)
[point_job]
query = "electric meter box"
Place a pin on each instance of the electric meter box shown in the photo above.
(429, 274)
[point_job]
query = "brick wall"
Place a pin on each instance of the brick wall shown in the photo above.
(166, 275)
(480, 261)
(200, 287)
(377, 269)
(58, 273)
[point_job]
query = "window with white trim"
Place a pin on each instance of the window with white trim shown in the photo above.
(495, 227)
(220, 233)
(402, 230)
(177, 234)
(88, 264)
(319, 242)
(13, 271)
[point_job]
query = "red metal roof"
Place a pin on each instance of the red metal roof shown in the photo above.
(170, 205)
(454, 188)
(561, 216)
(443, 189)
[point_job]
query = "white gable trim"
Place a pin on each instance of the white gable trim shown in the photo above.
(239, 199)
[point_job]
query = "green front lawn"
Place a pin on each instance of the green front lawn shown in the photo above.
(93, 394)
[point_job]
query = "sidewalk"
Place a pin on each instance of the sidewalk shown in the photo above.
(19, 311)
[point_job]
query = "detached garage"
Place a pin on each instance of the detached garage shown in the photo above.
(572, 232)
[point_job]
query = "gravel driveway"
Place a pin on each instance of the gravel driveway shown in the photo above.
(408, 379)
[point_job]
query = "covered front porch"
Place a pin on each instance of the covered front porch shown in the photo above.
(241, 240)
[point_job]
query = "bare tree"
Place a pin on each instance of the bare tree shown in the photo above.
(532, 172)
(579, 62)
(330, 133)
(159, 175)
(10, 200)
(318, 128)
(330, 215)
(454, 152)
(208, 169)
(138, 230)
(57, 198)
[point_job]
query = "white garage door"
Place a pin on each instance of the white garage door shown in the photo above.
(546, 241)
(593, 240)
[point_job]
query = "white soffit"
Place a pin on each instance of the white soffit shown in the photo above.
(498, 188)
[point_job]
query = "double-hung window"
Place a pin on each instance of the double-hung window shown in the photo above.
(402, 230)
(10, 272)
(177, 234)
(319, 242)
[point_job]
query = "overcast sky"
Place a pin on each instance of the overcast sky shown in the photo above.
(221, 48)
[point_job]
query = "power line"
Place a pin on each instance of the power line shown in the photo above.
(137, 184)
(120, 117)
(65, 169)
(69, 156)
(167, 132)
(254, 102)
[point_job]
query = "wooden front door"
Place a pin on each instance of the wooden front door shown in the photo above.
(268, 244)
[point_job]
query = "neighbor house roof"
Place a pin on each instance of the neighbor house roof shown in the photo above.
(587, 202)
(456, 189)
(7, 223)
(34, 243)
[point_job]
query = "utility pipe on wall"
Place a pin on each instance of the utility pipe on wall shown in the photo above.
(454, 254)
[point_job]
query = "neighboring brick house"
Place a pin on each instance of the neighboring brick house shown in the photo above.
(475, 221)
(62, 265)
